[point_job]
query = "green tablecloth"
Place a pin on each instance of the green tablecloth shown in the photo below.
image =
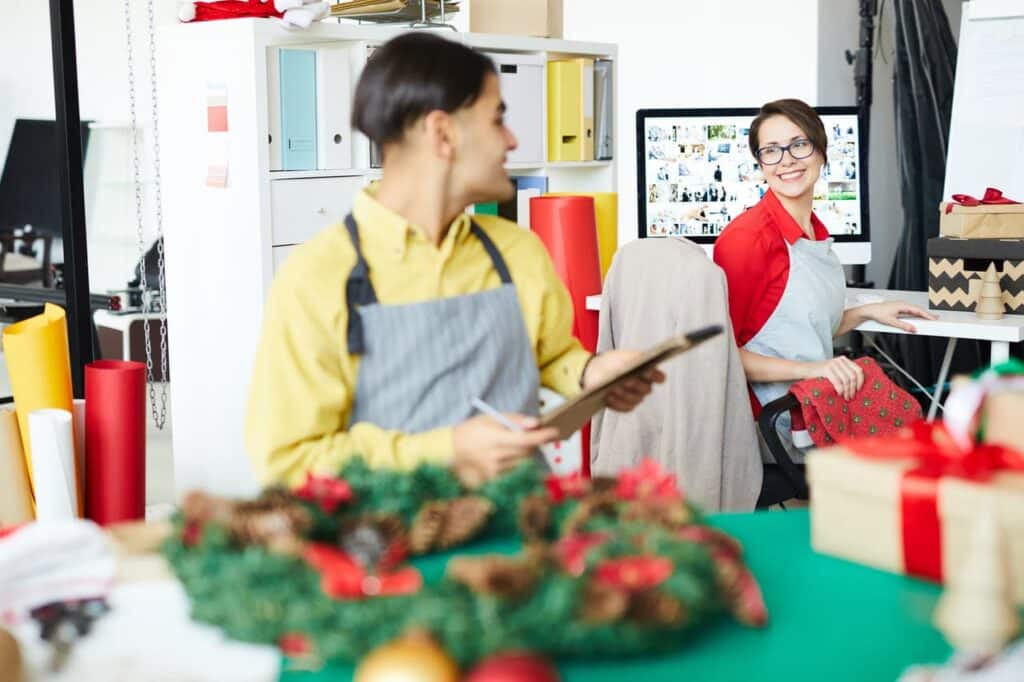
(829, 619)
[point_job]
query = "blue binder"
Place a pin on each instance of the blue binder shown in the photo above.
(298, 109)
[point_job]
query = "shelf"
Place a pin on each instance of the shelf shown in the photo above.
(320, 173)
(578, 164)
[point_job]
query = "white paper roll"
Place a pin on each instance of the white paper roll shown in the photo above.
(15, 491)
(53, 464)
(79, 425)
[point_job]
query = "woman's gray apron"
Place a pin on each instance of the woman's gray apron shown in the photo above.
(802, 325)
(422, 363)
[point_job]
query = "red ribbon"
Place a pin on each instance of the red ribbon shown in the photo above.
(991, 196)
(937, 455)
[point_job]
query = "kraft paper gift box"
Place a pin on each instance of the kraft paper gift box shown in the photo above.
(864, 509)
(956, 267)
(987, 221)
(540, 18)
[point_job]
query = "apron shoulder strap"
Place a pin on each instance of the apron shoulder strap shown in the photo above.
(496, 258)
(359, 291)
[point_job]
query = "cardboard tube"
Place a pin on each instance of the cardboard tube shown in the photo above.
(53, 464)
(606, 214)
(15, 492)
(115, 441)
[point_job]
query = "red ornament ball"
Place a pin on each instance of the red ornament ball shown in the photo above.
(513, 667)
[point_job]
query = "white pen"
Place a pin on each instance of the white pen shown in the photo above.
(498, 416)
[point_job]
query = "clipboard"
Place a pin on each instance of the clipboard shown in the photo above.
(573, 414)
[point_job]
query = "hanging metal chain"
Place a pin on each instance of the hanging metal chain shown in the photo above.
(159, 416)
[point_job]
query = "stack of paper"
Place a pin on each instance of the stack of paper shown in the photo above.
(391, 10)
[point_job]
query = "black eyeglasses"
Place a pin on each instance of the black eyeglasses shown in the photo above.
(800, 148)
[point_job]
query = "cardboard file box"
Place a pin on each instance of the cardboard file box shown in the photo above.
(522, 88)
(956, 266)
(540, 18)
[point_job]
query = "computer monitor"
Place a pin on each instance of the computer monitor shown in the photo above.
(695, 173)
(30, 184)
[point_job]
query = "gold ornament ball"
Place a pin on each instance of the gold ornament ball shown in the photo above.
(411, 659)
(10, 658)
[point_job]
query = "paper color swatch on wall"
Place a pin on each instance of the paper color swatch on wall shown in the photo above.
(217, 136)
(39, 365)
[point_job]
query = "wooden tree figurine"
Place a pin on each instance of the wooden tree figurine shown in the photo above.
(976, 612)
(990, 298)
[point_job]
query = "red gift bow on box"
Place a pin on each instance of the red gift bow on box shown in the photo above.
(937, 455)
(991, 196)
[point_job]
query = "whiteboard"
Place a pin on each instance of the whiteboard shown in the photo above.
(986, 132)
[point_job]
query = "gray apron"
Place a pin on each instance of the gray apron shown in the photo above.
(802, 325)
(422, 363)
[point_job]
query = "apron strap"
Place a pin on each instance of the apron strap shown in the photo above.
(496, 258)
(358, 292)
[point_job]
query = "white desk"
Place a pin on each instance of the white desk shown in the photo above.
(951, 325)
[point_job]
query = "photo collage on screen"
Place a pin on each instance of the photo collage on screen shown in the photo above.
(700, 175)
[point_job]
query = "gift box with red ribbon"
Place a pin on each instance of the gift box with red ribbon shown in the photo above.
(990, 216)
(906, 503)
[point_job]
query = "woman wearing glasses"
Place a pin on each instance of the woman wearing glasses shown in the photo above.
(787, 289)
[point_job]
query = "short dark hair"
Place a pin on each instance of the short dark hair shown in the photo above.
(800, 113)
(411, 75)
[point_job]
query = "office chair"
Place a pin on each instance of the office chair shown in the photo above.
(783, 479)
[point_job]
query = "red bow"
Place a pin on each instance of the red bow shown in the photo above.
(991, 196)
(937, 455)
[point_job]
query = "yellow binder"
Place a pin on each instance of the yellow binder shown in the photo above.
(571, 110)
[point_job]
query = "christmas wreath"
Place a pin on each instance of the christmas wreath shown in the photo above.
(609, 566)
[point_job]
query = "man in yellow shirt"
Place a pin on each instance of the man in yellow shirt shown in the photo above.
(379, 331)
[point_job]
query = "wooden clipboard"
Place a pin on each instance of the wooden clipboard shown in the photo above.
(570, 416)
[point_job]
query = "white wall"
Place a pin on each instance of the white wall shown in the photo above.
(698, 53)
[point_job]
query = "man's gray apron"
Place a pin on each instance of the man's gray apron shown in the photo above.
(422, 363)
(802, 325)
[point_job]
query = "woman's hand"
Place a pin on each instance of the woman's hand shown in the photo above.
(845, 375)
(628, 394)
(889, 313)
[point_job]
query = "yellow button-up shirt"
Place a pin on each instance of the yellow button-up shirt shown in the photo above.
(304, 379)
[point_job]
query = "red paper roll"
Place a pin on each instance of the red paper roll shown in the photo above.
(567, 226)
(115, 441)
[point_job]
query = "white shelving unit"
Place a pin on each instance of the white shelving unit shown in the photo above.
(222, 245)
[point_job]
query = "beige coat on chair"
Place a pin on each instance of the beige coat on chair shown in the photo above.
(698, 424)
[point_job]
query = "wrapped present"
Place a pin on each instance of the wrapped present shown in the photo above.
(905, 503)
(993, 216)
(956, 267)
(988, 407)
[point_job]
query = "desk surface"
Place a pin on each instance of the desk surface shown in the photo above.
(950, 324)
(830, 619)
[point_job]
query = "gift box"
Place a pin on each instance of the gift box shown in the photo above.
(996, 221)
(540, 18)
(956, 267)
(906, 503)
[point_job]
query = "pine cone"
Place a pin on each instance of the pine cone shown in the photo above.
(273, 521)
(427, 526)
(669, 514)
(199, 507)
(376, 541)
(464, 518)
(603, 604)
(652, 607)
(495, 575)
(534, 517)
(604, 504)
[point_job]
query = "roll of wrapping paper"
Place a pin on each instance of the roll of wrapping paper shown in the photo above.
(606, 214)
(115, 441)
(40, 369)
(15, 493)
(566, 225)
(53, 464)
(78, 422)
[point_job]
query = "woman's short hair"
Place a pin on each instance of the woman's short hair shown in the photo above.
(410, 76)
(800, 113)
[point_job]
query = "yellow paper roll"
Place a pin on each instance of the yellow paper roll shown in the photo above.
(15, 493)
(606, 211)
(40, 368)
